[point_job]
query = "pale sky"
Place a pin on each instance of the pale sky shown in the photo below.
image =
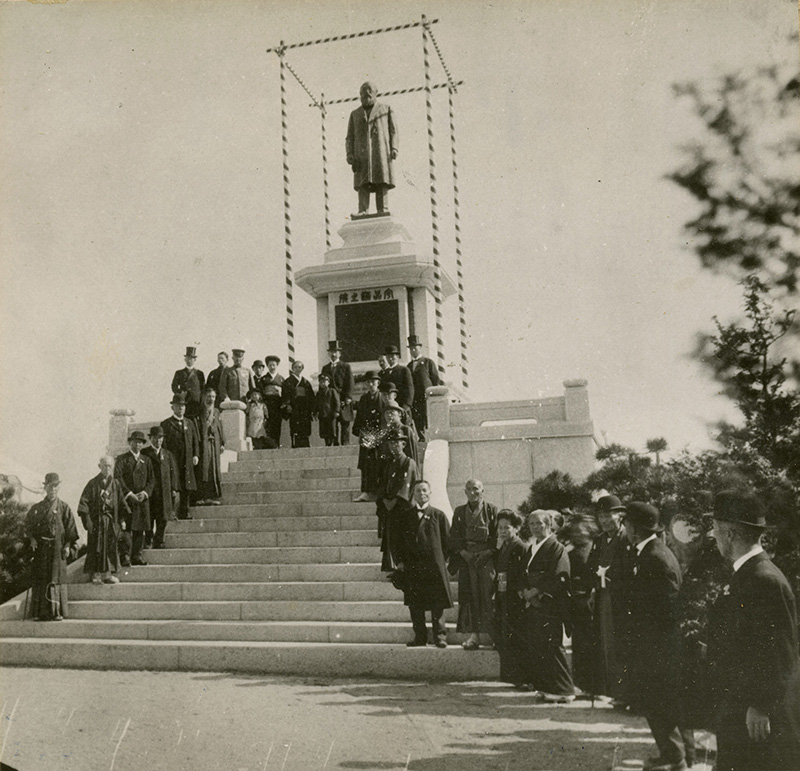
(142, 197)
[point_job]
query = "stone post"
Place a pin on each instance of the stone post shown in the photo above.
(576, 401)
(118, 427)
(234, 425)
(438, 413)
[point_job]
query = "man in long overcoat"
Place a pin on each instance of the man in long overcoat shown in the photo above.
(340, 377)
(181, 439)
(136, 477)
(101, 508)
(212, 442)
(753, 648)
(189, 381)
(215, 376)
(372, 143)
(165, 490)
(423, 546)
(425, 374)
(400, 375)
(51, 533)
(654, 637)
(298, 405)
(366, 427)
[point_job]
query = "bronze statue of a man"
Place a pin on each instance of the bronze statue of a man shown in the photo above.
(372, 144)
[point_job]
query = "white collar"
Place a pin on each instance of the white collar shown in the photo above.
(538, 545)
(757, 549)
(640, 546)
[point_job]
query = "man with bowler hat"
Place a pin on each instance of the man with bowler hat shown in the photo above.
(135, 475)
(752, 647)
(164, 500)
(654, 637)
(189, 381)
(424, 374)
(400, 375)
(182, 440)
(237, 380)
(340, 377)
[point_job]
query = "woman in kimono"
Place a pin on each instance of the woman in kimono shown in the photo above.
(546, 598)
(51, 532)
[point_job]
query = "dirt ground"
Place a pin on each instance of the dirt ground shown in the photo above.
(115, 721)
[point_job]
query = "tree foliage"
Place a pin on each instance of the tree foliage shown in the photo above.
(14, 550)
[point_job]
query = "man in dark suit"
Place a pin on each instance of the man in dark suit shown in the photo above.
(654, 637)
(423, 545)
(753, 647)
(215, 376)
(189, 381)
(134, 472)
(182, 440)
(424, 374)
(400, 375)
(165, 490)
(340, 376)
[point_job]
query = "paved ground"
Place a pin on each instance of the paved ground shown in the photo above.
(115, 721)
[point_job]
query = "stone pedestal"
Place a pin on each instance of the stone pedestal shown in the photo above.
(118, 428)
(374, 290)
(234, 425)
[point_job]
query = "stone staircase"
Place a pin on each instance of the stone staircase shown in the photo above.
(284, 577)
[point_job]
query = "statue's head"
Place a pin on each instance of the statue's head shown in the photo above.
(368, 94)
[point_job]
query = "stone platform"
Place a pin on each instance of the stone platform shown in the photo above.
(283, 578)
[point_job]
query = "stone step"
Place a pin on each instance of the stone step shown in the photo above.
(240, 573)
(236, 470)
(286, 496)
(307, 659)
(350, 450)
(264, 555)
(331, 591)
(367, 521)
(274, 538)
(253, 610)
(297, 508)
(248, 463)
(262, 481)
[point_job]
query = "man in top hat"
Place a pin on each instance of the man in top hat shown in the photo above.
(182, 440)
(424, 534)
(215, 376)
(136, 478)
(164, 499)
(297, 404)
(400, 375)
(654, 637)
(753, 647)
(371, 145)
(101, 509)
(189, 381)
(425, 374)
(608, 564)
(340, 376)
(237, 380)
(271, 386)
(51, 533)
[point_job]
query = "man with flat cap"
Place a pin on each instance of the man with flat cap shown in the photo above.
(366, 427)
(371, 145)
(752, 647)
(608, 564)
(425, 374)
(400, 375)
(136, 478)
(340, 377)
(182, 440)
(237, 380)
(654, 636)
(271, 386)
(189, 381)
(164, 500)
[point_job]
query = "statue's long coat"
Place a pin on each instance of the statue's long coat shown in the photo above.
(369, 144)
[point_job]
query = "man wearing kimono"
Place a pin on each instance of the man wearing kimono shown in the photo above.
(423, 545)
(297, 405)
(372, 143)
(212, 443)
(165, 490)
(51, 532)
(101, 508)
(180, 438)
(136, 478)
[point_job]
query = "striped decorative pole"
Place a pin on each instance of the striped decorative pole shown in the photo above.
(437, 268)
(287, 213)
(353, 35)
(462, 313)
(323, 114)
